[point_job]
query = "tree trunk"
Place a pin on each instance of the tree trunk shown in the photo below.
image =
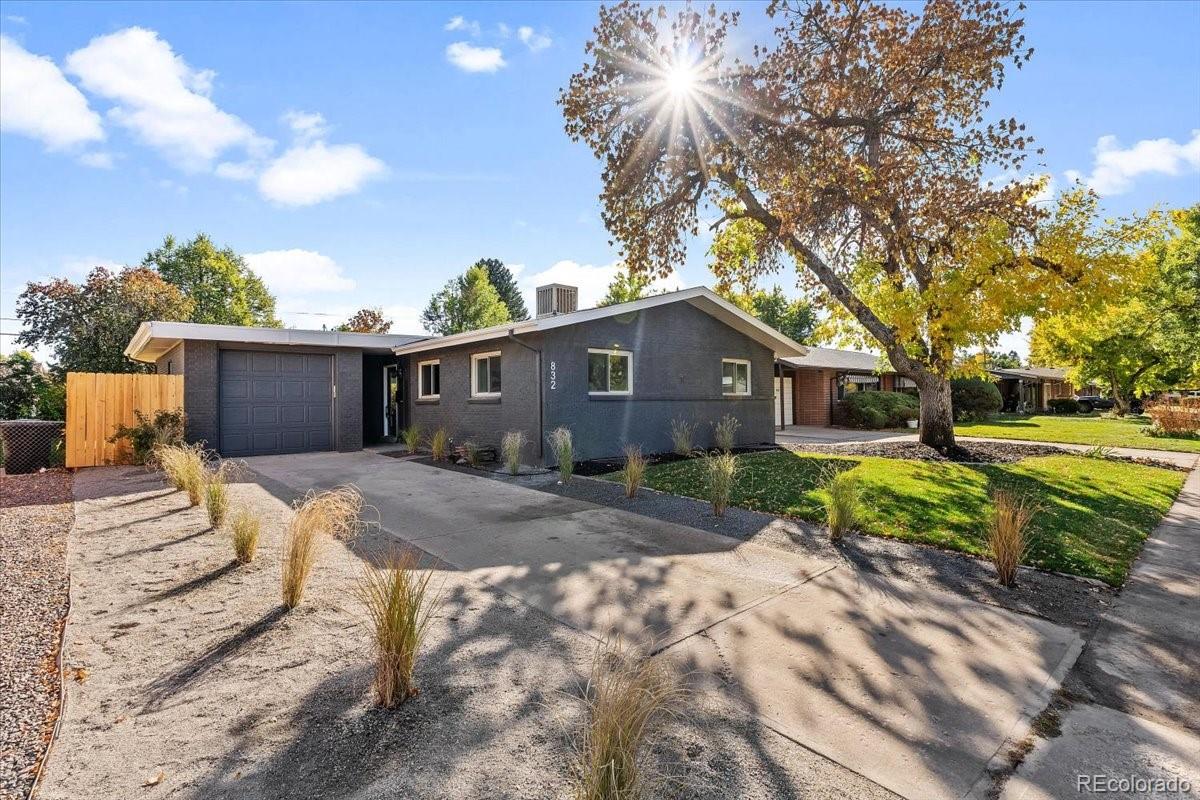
(937, 416)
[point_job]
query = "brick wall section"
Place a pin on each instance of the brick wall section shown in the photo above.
(348, 366)
(887, 382)
(170, 362)
(200, 391)
(813, 396)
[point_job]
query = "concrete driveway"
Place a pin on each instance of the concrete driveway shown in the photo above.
(913, 689)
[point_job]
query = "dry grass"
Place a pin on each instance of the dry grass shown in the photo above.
(564, 452)
(1008, 534)
(628, 697)
(841, 508)
(184, 467)
(216, 491)
(725, 432)
(439, 444)
(244, 529)
(721, 472)
(412, 437)
(634, 470)
(510, 450)
(336, 513)
(401, 604)
(683, 436)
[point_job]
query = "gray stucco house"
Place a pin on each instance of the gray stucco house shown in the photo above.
(615, 375)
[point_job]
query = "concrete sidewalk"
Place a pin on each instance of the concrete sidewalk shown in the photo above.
(914, 689)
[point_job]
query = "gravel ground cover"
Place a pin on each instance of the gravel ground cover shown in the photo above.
(197, 685)
(35, 514)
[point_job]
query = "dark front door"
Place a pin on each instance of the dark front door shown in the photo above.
(275, 402)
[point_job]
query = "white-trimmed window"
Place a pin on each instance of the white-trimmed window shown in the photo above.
(735, 376)
(485, 374)
(429, 380)
(610, 371)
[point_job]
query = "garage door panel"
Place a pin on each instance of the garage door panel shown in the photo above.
(275, 402)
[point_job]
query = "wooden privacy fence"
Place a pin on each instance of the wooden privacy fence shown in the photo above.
(97, 402)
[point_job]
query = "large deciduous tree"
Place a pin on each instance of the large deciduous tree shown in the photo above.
(859, 146)
(366, 320)
(505, 283)
(88, 325)
(223, 289)
(466, 303)
(1143, 341)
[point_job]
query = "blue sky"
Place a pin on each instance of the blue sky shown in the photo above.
(364, 154)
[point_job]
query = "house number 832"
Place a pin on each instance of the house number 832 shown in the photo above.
(553, 375)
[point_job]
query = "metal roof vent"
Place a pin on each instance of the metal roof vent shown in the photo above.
(556, 298)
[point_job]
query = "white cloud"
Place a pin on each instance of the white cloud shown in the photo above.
(161, 99)
(459, 23)
(97, 160)
(306, 126)
(311, 173)
(37, 100)
(295, 271)
(470, 58)
(533, 40)
(237, 170)
(405, 319)
(16, 19)
(591, 280)
(1115, 169)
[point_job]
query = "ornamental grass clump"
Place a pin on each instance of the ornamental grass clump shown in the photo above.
(627, 697)
(216, 494)
(1008, 533)
(183, 466)
(401, 604)
(725, 432)
(412, 437)
(336, 514)
(683, 435)
(720, 470)
(564, 452)
(439, 444)
(634, 470)
(841, 509)
(244, 529)
(510, 450)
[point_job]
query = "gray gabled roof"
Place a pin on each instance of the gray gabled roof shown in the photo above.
(849, 360)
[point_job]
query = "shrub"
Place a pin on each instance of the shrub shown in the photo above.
(510, 449)
(1176, 418)
(974, 398)
(468, 451)
(184, 467)
(401, 606)
(335, 513)
(683, 434)
(245, 527)
(564, 451)
(164, 428)
(412, 437)
(725, 432)
(1098, 451)
(627, 698)
(216, 495)
(841, 510)
(634, 470)
(875, 410)
(721, 470)
(1008, 534)
(439, 444)
(1063, 405)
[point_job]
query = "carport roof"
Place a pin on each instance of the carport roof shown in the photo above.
(155, 338)
(829, 358)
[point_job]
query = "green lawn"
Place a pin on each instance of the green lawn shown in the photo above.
(1110, 432)
(1095, 513)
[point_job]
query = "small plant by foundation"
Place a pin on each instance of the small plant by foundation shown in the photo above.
(184, 467)
(841, 509)
(627, 699)
(725, 432)
(335, 513)
(412, 437)
(683, 436)
(634, 470)
(1008, 533)
(721, 473)
(400, 603)
(216, 494)
(510, 450)
(244, 529)
(439, 444)
(563, 447)
(469, 452)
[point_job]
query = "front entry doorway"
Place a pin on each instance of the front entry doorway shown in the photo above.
(391, 401)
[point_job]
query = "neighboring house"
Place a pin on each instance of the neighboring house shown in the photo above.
(615, 375)
(1032, 388)
(810, 385)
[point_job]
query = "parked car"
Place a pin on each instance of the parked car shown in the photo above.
(1094, 402)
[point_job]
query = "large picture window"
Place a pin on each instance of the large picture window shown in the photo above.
(429, 379)
(610, 372)
(735, 376)
(485, 374)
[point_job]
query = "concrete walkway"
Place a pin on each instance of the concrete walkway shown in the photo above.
(914, 689)
(1141, 673)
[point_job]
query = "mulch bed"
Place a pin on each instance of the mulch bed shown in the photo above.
(603, 466)
(36, 513)
(965, 453)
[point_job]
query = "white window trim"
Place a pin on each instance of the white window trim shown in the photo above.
(475, 357)
(421, 380)
(749, 378)
(614, 352)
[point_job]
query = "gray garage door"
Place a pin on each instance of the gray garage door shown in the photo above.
(275, 402)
